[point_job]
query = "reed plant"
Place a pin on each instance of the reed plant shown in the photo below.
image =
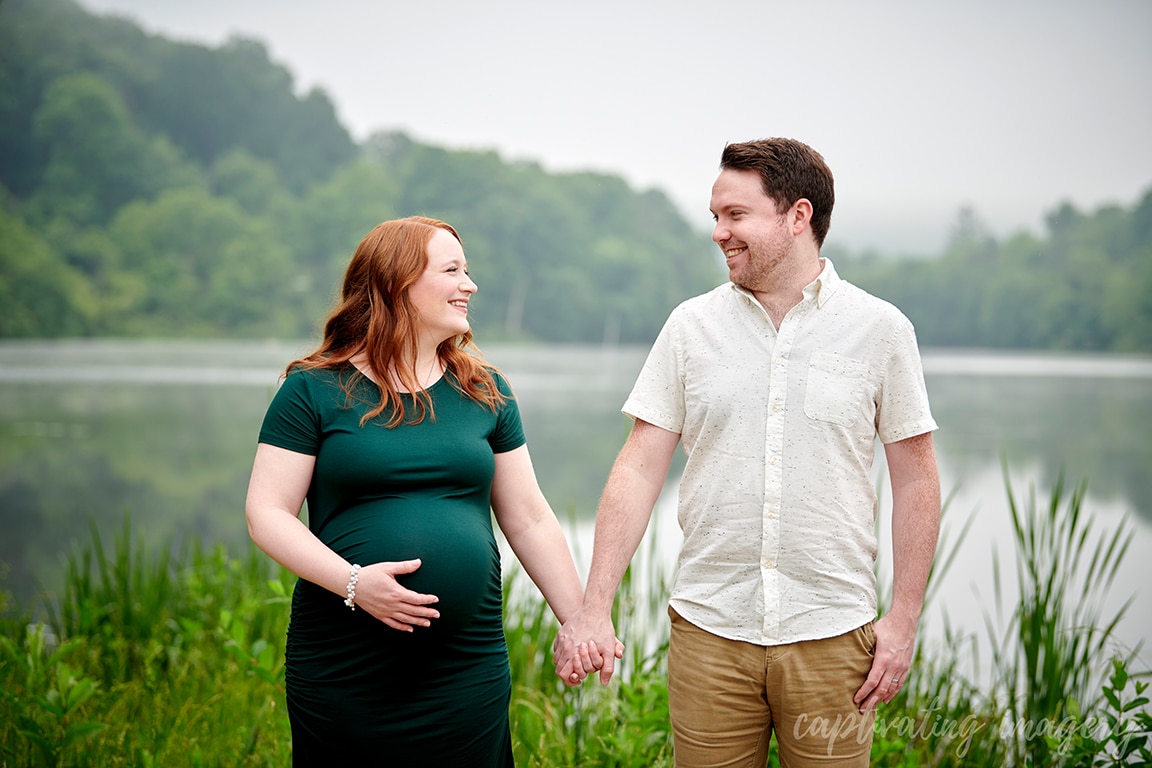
(175, 658)
(1047, 698)
(1055, 649)
(149, 659)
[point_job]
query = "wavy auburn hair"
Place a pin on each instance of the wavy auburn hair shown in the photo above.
(375, 316)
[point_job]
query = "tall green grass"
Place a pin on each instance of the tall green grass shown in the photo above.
(1046, 698)
(149, 660)
(1055, 647)
(176, 659)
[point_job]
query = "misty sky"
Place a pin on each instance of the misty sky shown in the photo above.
(920, 108)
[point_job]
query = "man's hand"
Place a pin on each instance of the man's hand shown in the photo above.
(895, 643)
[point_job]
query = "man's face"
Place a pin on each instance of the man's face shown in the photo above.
(754, 237)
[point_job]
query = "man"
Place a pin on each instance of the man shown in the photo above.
(777, 386)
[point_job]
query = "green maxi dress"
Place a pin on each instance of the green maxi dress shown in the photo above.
(357, 689)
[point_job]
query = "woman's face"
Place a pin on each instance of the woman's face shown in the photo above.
(441, 294)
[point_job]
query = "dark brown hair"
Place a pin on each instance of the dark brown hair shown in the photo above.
(375, 316)
(789, 170)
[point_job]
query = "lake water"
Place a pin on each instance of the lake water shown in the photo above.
(163, 432)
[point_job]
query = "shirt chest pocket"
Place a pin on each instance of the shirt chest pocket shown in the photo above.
(835, 389)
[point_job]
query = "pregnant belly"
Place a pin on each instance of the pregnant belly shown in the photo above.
(460, 562)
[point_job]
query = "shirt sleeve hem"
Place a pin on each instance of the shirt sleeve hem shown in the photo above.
(656, 419)
(911, 430)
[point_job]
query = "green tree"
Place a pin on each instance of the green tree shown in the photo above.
(252, 183)
(1087, 285)
(1127, 299)
(40, 293)
(40, 41)
(98, 160)
(205, 101)
(208, 268)
(335, 216)
(213, 101)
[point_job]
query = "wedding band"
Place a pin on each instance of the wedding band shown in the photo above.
(896, 681)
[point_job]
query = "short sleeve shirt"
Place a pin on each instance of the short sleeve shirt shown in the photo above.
(776, 502)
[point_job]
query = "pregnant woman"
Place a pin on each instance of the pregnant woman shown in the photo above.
(403, 442)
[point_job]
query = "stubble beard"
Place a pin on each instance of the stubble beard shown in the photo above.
(762, 266)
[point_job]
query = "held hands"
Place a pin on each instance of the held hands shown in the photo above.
(576, 658)
(378, 592)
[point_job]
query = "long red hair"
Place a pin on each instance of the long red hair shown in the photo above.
(375, 316)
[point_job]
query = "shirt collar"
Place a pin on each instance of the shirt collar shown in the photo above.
(819, 290)
(824, 286)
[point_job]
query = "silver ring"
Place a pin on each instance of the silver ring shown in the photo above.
(896, 681)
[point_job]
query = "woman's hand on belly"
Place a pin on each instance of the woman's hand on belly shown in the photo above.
(378, 592)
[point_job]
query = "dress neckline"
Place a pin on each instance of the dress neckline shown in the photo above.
(432, 385)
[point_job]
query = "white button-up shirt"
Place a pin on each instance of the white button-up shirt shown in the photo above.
(776, 502)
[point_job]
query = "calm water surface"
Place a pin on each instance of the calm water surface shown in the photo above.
(162, 433)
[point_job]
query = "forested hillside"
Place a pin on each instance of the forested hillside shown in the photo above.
(150, 187)
(1086, 285)
(159, 188)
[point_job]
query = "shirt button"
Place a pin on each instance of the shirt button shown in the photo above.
(769, 563)
(775, 407)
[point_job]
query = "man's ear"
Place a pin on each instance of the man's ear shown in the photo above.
(800, 216)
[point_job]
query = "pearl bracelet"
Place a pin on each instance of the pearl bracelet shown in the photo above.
(353, 577)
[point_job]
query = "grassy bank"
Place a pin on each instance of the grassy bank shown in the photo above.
(150, 660)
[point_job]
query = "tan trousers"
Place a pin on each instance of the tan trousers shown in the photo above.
(728, 697)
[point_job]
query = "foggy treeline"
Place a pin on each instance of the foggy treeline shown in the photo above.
(150, 187)
(1085, 285)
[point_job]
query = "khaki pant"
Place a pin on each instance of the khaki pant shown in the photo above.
(728, 697)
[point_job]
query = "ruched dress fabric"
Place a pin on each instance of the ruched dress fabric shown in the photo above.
(358, 690)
